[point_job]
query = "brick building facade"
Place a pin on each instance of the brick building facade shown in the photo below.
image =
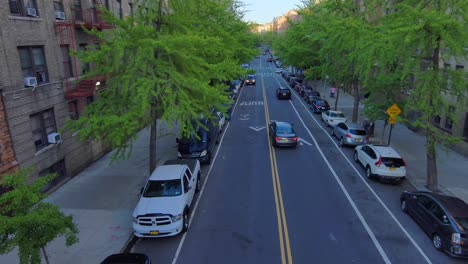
(40, 85)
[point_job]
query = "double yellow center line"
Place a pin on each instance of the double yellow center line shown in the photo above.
(285, 247)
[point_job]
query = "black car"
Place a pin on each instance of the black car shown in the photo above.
(282, 134)
(443, 218)
(250, 80)
(128, 258)
(319, 105)
(311, 96)
(283, 93)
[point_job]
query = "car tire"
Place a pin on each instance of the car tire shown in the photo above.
(437, 241)
(333, 132)
(356, 159)
(369, 174)
(209, 158)
(198, 187)
(404, 206)
(186, 221)
(342, 144)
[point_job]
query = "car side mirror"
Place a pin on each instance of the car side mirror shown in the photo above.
(177, 140)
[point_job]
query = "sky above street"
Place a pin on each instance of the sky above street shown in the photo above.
(263, 11)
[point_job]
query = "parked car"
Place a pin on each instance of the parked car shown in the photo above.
(285, 74)
(298, 87)
(269, 59)
(381, 161)
(166, 199)
(279, 70)
(250, 80)
(293, 81)
(350, 134)
(245, 65)
(312, 96)
(305, 91)
(127, 258)
(319, 105)
(331, 117)
(200, 145)
(443, 218)
(283, 93)
(282, 134)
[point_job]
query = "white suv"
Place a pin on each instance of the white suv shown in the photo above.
(381, 161)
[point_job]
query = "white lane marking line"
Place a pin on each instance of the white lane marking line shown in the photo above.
(346, 193)
(181, 243)
(257, 128)
(365, 183)
(301, 141)
(332, 237)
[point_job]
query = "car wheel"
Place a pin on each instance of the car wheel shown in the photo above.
(209, 158)
(342, 142)
(356, 159)
(198, 188)
(404, 206)
(185, 223)
(437, 241)
(368, 173)
(333, 132)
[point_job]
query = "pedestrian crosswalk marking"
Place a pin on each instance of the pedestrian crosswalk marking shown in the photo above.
(251, 103)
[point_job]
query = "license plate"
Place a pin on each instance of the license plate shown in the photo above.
(392, 169)
(154, 233)
(358, 140)
(284, 94)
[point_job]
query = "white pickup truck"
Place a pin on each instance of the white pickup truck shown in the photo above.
(166, 199)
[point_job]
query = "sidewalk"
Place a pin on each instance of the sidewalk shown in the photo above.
(452, 167)
(101, 199)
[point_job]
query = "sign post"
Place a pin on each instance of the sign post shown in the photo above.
(393, 111)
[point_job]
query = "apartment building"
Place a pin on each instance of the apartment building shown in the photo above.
(40, 84)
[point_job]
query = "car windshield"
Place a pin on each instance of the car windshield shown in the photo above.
(463, 221)
(166, 188)
(284, 130)
(333, 114)
(358, 132)
(283, 90)
(321, 103)
(251, 77)
(393, 162)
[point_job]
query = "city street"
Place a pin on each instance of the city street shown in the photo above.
(261, 204)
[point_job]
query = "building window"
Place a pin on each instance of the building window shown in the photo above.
(84, 66)
(77, 10)
(58, 6)
(33, 63)
(120, 9)
(66, 61)
(459, 67)
(465, 130)
(106, 3)
(73, 110)
(59, 169)
(42, 124)
(436, 120)
(89, 100)
(16, 7)
(130, 5)
(448, 119)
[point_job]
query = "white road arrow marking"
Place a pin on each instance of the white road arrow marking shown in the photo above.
(301, 140)
(257, 128)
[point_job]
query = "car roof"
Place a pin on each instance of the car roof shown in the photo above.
(251, 76)
(352, 125)
(386, 151)
(167, 172)
(335, 111)
(283, 124)
(136, 258)
(283, 88)
(453, 205)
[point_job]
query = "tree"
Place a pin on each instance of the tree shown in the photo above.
(29, 223)
(168, 62)
(415, 38)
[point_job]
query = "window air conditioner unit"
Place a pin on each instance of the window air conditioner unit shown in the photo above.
(54, 138)
(31, 12)
(59, 15)
(30, 82)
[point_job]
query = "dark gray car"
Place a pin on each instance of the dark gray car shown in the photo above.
(350, 134)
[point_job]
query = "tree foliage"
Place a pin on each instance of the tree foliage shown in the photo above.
(28, 223)
(169, 64)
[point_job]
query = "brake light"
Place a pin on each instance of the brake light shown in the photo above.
(348, 136)
(379, 162)
(277, 138)
(294, 139)
(404, 162)
(367, 137)
(456, 239)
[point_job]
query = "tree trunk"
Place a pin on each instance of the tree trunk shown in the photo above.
(432, 183)
(44, 253)
(155, 105)
(337, 96)
(355, 89)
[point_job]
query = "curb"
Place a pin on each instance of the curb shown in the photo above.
(128, 246)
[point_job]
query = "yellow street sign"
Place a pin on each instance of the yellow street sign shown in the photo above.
(391, 120)
(393, 110)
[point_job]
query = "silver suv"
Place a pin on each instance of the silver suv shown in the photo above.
(350, 134)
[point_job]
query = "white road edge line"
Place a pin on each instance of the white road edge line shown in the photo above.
(364, 181)
(192, 214)
(346, 193)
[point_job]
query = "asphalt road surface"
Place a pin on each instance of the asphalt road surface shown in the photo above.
(311, 204)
